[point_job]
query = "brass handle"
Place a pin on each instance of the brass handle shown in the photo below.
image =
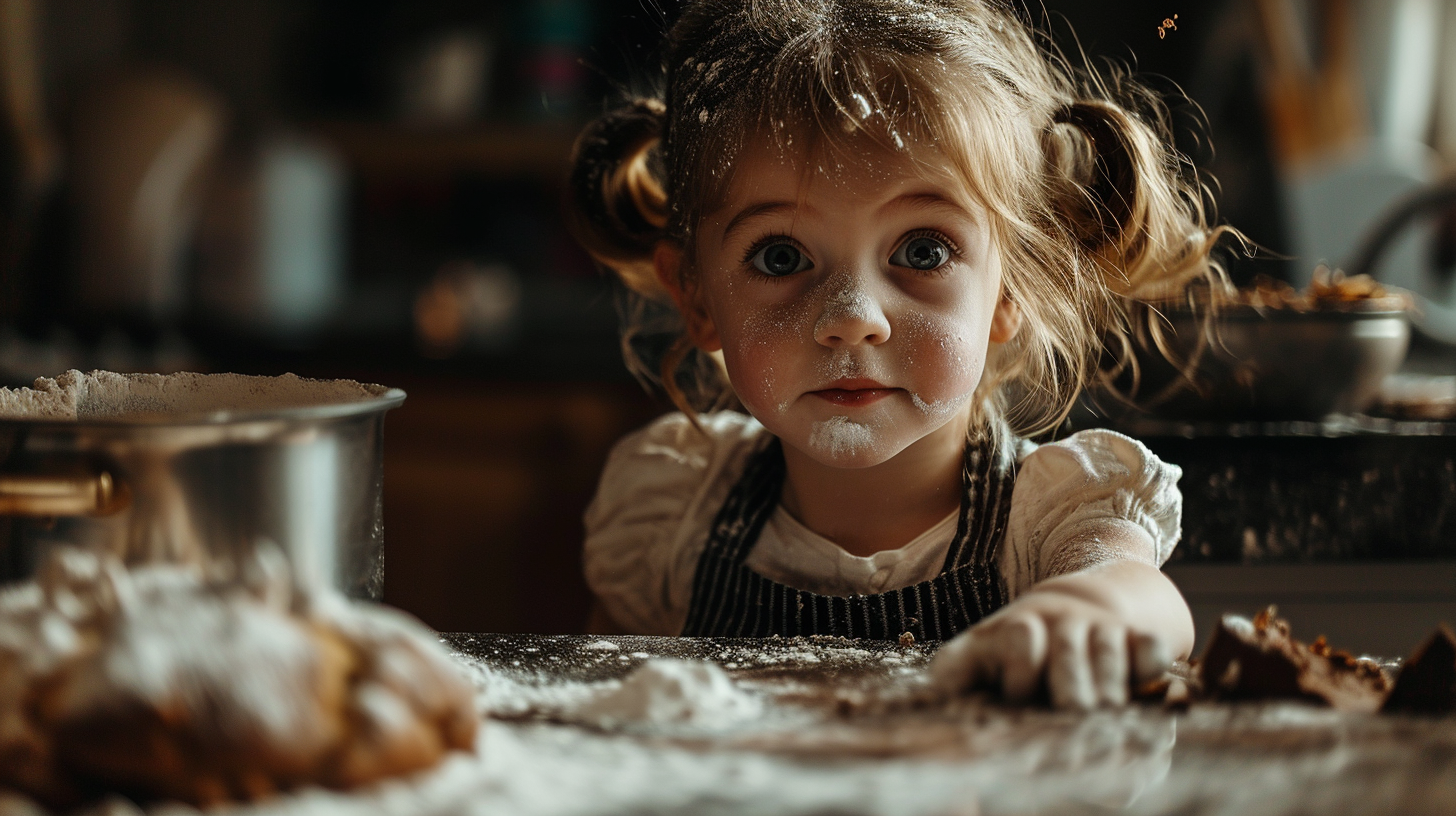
(39, 495)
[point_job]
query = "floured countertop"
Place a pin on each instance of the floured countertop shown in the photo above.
(637, 725)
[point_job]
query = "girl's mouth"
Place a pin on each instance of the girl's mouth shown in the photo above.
(854, 393)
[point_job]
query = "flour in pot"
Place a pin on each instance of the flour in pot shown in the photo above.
(105, 395)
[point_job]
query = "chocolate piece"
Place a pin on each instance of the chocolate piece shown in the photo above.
(1258, 660)
(1427, 682)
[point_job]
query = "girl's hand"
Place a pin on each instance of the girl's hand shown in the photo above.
(1087, 655)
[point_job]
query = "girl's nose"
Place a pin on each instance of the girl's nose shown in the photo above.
(851, 317)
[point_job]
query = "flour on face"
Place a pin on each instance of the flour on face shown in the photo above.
(841, 436)
(849, 304)
(843, 363)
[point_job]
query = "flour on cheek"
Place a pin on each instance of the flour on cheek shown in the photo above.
(947, 361)
(758, 353)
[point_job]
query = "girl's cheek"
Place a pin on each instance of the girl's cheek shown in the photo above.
(758, 354)
(947, 355)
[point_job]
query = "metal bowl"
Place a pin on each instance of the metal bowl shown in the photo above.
(1251, 363)
(294, 465)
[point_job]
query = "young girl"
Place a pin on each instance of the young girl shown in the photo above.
(902, 231)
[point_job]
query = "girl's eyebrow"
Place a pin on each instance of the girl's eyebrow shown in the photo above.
(753, 211)
(924, 201)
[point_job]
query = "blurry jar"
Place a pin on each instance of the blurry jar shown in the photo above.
(271, 244)
(554, 35)
(141, 147)
(468, 306)
(443, 80)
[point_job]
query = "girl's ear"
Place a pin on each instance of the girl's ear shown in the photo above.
(1006, 321)
(667, 260)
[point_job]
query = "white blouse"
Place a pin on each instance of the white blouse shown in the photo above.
(664, 484)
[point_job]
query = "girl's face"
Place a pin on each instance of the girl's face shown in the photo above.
(854, 307)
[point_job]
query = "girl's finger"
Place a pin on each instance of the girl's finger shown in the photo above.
(1151, 657)
(1023, 653)
(955, 668)
(1108, 648)
(1069, 677)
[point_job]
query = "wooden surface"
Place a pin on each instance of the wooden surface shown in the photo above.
(847, 728)
(830, 726)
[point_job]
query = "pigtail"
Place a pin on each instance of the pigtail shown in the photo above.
(1127, 200)
(617, 209)
(616, 205)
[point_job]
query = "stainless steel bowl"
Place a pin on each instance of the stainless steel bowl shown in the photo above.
(1272, 364)
(205, 487)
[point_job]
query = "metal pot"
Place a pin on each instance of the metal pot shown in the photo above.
(1273, 364)
(204, 487)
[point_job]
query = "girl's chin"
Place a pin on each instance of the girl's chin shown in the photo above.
(843, 442)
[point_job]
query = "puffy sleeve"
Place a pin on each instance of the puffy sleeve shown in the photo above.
(1095, 496)
(647, 525)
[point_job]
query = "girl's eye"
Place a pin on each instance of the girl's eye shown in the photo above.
(922, 253)
(778, 260)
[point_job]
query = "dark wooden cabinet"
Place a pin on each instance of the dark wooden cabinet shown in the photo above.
(484, 488)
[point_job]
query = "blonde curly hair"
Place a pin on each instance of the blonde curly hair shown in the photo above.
(1093, 210)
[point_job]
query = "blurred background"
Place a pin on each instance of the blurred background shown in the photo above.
(370, 188)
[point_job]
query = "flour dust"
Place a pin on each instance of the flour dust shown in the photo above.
(840, 436)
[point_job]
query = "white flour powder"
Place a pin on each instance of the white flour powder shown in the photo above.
(666, 692)
(840, 435)
(106, 395)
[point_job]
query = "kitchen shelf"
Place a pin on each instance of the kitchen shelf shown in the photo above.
(1333, 426)
(535, 149)
(1343, 490)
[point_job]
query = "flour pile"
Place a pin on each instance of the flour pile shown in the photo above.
(660, 695)
(666, 692)
(109, 396)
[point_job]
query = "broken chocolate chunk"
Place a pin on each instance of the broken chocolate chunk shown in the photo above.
(1260, 660)
(1427, 682)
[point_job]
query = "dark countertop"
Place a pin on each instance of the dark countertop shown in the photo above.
(811, 727)
(845, 728)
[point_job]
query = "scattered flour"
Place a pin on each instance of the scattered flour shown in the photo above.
(839, 436)
(661, 693)
(107, 395)
(668, 691)
(525, 695)
(603, 646)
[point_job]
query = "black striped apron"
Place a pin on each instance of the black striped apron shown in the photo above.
(731, 600)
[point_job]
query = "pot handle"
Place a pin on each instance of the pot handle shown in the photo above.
(36, 495)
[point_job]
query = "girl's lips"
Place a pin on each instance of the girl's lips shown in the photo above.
(853, 396)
